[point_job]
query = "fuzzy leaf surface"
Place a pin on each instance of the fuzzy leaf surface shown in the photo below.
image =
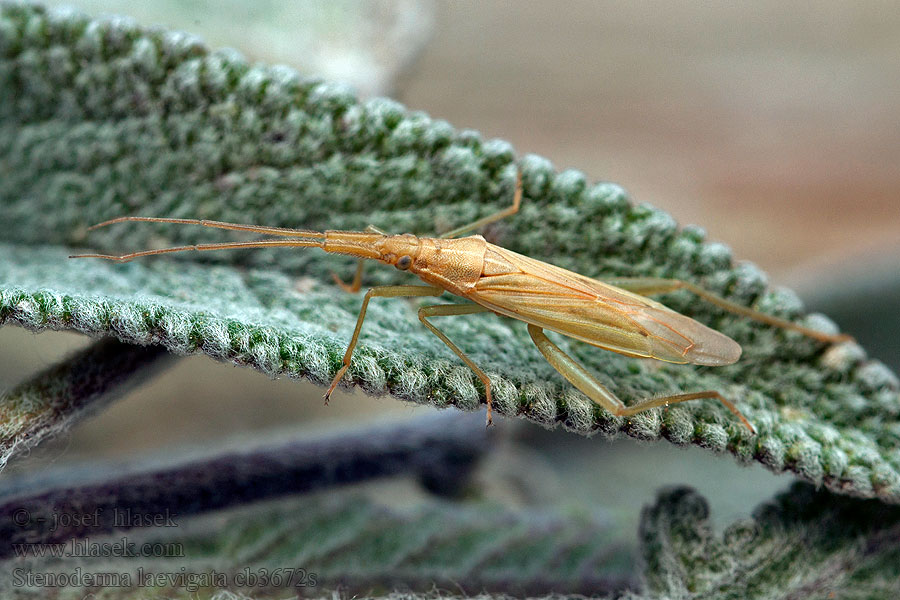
(104, 118)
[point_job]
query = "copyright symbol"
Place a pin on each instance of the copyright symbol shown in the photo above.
(21, 517)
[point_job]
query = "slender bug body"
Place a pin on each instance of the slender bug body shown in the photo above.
(615, 315)
(529, 290)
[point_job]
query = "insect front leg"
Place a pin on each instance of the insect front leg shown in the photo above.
(355, 285)
(443, 310)
(578, 376)
(646, 286)
(389, 291)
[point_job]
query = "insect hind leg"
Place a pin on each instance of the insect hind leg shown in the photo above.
(647, 286)
(578, 376)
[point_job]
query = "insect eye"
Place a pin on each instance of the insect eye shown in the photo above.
(404, 262)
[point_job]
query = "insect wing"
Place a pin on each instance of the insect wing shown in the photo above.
(594, 312)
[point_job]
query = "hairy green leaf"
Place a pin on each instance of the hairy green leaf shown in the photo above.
(54, 399)
(239, 511)
(359, 544)
(807, 543)
(104, 118)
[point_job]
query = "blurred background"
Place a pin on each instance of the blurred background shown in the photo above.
(773, 127)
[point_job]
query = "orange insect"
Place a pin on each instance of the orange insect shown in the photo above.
(613, 315)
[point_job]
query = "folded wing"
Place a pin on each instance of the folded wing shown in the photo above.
(595, 312)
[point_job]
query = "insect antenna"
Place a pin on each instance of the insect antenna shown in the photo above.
(204, 248)
(313, 238)
(279, 231)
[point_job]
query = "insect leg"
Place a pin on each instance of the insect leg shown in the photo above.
(443, 310)
(355, 285)
(650, 285)
(389, 291)
(578, 376)
(501, 214)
